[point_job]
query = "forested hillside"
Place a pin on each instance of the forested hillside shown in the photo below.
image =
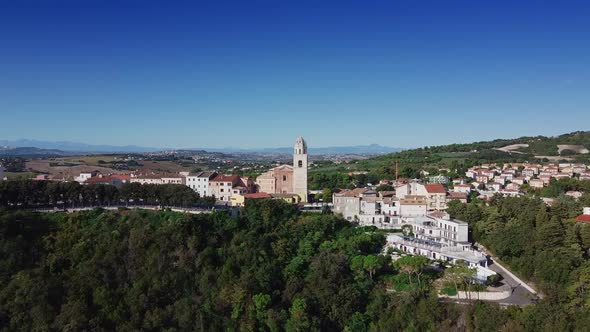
(271, 269)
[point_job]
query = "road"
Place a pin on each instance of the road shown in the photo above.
(522, 293)
(521, 296)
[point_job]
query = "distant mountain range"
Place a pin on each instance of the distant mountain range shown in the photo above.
(74, 146)
(357, 149)
(68, 148)
(31, 152)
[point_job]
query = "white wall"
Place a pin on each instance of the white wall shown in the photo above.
(412, 210)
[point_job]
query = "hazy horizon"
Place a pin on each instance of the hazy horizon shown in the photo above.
(258, 74)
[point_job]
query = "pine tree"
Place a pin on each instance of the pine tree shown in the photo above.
(542, 217)
(550, 234)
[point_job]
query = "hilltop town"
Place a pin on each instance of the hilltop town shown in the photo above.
(415, 210)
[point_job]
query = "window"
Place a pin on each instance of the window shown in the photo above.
(284, 178)
(300, 163)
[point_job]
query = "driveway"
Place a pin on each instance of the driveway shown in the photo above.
(520, 295)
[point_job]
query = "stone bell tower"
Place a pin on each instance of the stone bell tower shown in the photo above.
(300, 169)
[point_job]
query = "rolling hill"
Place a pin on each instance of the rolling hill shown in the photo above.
(567, 147)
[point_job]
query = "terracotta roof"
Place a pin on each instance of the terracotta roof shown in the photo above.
(389, 200)
(205, 174)
(437, 214)
(583, 218)
(354, 192)
(257, 195)
(435, 188)
(121, 176)
(104, 179)
(226, 178)
(457, 195)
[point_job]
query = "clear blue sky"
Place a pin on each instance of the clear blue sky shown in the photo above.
(259, 73)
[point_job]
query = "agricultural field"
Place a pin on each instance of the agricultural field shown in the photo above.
(70, 167)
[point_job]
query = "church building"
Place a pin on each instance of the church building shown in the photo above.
(287, 179)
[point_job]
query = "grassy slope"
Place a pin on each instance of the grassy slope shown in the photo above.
(465, 155)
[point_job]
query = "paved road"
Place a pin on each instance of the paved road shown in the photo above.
(520, 295)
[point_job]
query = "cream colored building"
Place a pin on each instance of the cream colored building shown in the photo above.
(147, 179)
(300, 169)
(173, 179)
(222, 186)
(278, 180)
(286, 179)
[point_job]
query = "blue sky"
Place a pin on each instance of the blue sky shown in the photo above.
(259, 73)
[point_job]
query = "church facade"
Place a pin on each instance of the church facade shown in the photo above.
(287, 179)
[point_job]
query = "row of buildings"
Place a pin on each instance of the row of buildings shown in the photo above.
(507, 179)
(384, 208)
(417, 209)
(287, 182)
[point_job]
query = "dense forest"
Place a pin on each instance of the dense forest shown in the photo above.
(541, 244)
(272, 269)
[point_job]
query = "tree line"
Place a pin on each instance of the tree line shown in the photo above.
(31, 193)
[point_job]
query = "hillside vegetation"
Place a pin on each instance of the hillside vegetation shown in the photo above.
(273, 269)
(456, 157)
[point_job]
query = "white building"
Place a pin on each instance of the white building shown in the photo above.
(439, 238)
(199, 182)
(435, 193)
(495, 186)
(366, 207)
(413, 206)
(462, 188)
(348, 203)
(173, 179)
(536, 183)
(438, 179)
(146, 179)
(85, 176)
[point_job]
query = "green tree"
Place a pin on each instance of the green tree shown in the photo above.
(327, 195)
(299, 320)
